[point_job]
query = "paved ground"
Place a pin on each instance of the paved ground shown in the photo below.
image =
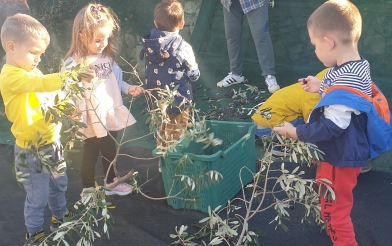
(139, 221)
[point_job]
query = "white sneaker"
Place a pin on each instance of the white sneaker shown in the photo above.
(121, 189)
(281, 151)
(230, 79)
(273, 86)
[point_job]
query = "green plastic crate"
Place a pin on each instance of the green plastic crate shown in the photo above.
(236, 151)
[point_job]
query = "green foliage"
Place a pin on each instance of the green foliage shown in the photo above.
(50, 13)
(288, 189)
(136, 16)
(91, 221)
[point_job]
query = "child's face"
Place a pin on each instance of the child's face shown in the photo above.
(100, 40)
(322, 48)
(26, 54)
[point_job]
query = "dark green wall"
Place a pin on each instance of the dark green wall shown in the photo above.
(293, 52)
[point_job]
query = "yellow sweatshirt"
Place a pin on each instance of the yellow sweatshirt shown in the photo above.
(289, 103)
(23, 93)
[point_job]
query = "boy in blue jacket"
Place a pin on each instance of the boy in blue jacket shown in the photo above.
(343, 123)
(170, 62)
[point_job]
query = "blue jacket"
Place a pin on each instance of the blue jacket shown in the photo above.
(366, 137)
(166, 65)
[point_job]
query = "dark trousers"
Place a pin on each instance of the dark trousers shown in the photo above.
(258, 23)
(91, 149)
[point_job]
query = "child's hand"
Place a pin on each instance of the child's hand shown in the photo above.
(135, 90)
(310, 84)
(286, 129)
(87, 75)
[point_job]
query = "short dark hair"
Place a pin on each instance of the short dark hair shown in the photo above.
(168, 14)
(340, 17)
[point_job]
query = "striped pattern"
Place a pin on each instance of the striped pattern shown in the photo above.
(247, 5)
(354, 74)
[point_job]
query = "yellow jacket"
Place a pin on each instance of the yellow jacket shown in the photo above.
(289, 103)
(23, 93)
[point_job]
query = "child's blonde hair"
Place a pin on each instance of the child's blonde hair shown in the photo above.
(168, 14)
(338, 17)
(86, 22)
(19, 27)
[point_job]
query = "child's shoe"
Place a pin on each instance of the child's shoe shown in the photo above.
(230, 79)
(281, 151)
(35, 239)
(84, 196)
(121, 189)
(55, 223)
(367, 167)
(273, 86)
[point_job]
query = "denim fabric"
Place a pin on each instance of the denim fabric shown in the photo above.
(42, 186)
(258, 23)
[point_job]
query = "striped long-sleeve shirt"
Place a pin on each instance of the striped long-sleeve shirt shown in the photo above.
(354, 74)
(247, 5)
(340, 123)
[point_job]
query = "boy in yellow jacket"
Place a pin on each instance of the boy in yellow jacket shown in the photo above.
(25, 89)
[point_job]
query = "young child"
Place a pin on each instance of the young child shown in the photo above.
(102, 109)
(345, 126)
(25, 89)
(291, 104)
(170, 62)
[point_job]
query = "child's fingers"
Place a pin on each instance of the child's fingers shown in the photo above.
(303, 81)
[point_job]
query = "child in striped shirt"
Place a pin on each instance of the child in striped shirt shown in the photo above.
(342, 124)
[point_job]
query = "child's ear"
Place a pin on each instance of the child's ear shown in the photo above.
(155, 24)
(9, 47)
(331, 42)
(182, 24)
(81, 37)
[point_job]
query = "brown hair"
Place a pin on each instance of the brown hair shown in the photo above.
(339, 17)
(20, 26)
(168, 14)
(86, 22)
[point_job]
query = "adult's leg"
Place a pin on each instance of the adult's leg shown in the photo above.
(233, 20)
(336, 214)
(89, 159)
(258, 22)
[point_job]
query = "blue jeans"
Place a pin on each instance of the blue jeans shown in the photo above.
(267, 131)
(42, 186)
(258, 23)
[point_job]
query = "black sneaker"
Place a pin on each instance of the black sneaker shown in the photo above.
(55, 223)
(35, 239)
(367, 167)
